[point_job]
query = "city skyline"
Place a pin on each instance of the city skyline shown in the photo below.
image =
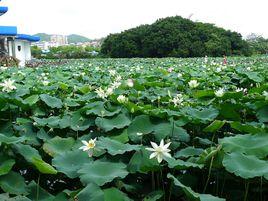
(99, 18)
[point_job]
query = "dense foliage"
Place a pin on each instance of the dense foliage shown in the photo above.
(66, 52)
(174, 37)
(258, 44)
(212, 117)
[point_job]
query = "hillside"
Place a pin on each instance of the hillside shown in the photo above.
(43, 36)
(175, 37)
(73, 38)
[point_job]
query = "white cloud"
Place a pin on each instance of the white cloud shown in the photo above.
(98, 18)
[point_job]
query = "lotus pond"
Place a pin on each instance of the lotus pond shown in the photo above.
(135, 129)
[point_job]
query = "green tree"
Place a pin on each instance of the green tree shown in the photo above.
(174, 37)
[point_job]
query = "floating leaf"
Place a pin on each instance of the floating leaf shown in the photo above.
(32, 156)
(31, 100)
(256, 145)
(118, 122)
(245, 166)
(13, 183)
(6, 165)
(112, 194)
(191, 195)
(214, 126)
(101, 172)
(58, 145)
(52, 102)
(69, 162)
(91, 192)
(114, 147)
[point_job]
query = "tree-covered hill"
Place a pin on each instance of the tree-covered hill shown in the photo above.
(175, 37)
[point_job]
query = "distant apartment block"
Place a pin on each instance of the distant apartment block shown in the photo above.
(58, 40)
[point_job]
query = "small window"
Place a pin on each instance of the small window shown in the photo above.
(19, 48)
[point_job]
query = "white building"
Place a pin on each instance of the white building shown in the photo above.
(14, 44)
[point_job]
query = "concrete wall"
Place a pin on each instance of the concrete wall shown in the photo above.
(22, 50)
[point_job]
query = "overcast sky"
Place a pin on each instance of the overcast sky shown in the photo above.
(98, 18)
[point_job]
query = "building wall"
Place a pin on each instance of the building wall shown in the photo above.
(22, 51)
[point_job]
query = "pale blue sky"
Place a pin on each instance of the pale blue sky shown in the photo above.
(98, 18)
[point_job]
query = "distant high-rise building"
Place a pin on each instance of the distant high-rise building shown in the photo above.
(59, 40)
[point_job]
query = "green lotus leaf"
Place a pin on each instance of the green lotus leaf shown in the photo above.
(245, 166)
(6, 164)
(69, 162)
(154, 196)
(262, 114)
(31, 100)
(214, 126)
(204, 115)
(51, 101)
(13, 183)
(182, 165)
(191, 195)
(114, 147)
(101, 172)
(112, 194)
(256, 145)
(91, 192)
(11, 140)
(32, 156)
(141, 124)
(188, 152)
(246, 128)
(141, 162)
(118, 122)
(58, 145)
(79, 122)
(98, 108)
(5, 197)
(42, 195)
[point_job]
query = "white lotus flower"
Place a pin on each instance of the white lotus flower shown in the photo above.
(89, 146)
(219, 92)
(130, 83)
(139, 134)
(122, 99)
(193, 84)
(109, 91)
(265, 93)
(101, 93)
(118, 78)
(179, 75)
(218, 69)
(8, 85)
(206, 59)
(177, 100)
(115, 85)
(112, 72)
(160, 151)
(45, 82)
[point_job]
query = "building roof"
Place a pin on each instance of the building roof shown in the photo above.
(3, 10)
(8, 31)
(28, 37)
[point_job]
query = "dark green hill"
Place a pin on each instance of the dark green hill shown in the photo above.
(43, 36)
(74, 38)
(175, 37)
